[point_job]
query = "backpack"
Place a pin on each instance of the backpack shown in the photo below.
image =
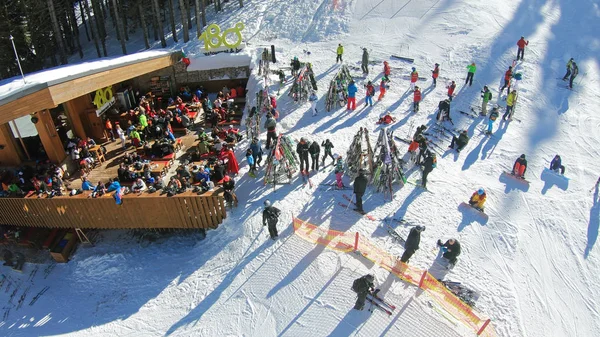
(356, 285)
(491, 96)
(434, 157)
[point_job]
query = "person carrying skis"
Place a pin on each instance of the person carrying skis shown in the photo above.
(295, 66)
(270, 217)
(302, 150)
(370, 94)
(460, 142)
(511, 99)
(521, 47)
(386, 69)
(435, 73)
(257, 152)
(574, 74)
(363, 286)
(507, 76)
(444, 110)
(365, 62)
(386, 119)
(313, 102)
(327, 146)
(471, 73)
(556, 165)
(477, 200)
(383, 85)
(412, 243)
(352, 89)
(486, 94)
(339, 171)
(451, 250)
(270, 125)
(416, 99)
(339, 52)
(314, 151)
(490, 123)
(520, 167)
(414, 77)
(360, 186)
(428, 165)
(451, 88)
(569, 66)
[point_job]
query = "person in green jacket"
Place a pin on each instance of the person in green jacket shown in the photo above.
(471, 68)
(486, 94)
(340, 52)
(569, 67)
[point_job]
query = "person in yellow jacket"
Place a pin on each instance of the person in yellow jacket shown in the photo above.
(511, 100)
(340, 52)
(478, 199)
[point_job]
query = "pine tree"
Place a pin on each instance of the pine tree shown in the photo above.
(172, 20)
(158, 21)
(183, 11)
(143, 24)
(57, 33)
(119, 26)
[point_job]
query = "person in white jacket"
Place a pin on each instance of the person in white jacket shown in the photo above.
(313, 102)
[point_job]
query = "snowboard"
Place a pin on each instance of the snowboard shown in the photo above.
(468, 296)
(510, 174)
(480, 212)
(407, 59)
(556, 174)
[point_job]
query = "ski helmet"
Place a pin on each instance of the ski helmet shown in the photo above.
(414, 69)
(267, 203)
(480, 191)
(437, 64)
(420, 228)
(369, 277)
(369, 83)
(522, 156)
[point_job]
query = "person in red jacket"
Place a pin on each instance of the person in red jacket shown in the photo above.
(521, 44)
(386, 69)
(416, 99)
(387, 119)
(507, 78)
(370, 94)
(382, 87)
(451, 88)
(435, 73)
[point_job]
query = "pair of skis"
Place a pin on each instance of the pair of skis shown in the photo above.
(380, 303)
(370, 217)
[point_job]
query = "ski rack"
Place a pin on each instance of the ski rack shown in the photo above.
(360, 154)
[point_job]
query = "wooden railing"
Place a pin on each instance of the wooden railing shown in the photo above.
(185, 210)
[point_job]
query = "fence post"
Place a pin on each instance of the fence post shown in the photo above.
(483, 327)
(422, 279)
(356, 241)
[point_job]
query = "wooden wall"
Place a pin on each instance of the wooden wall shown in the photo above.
(75, 108)
(9, 154)
(49, 137)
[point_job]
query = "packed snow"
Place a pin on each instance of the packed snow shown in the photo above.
(535, 261)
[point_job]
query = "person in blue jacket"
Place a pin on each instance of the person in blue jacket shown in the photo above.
(352, 89)
(556, 165)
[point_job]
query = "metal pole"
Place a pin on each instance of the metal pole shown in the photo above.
(12, 40)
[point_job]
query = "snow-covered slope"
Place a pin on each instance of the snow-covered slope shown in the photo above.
(534, 261)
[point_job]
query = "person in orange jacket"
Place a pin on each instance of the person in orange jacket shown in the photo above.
(414, 77)
(382, 87)
(435, 73)
(386, 69)
(507, 77)
(416, 99)
(521, 47)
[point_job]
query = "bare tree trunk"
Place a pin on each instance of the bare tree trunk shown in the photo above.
(123, 15)
(74, 27)
(163, 43)
(57, 33)
(84, 21)
(198, 26)
(188, 6)
(119, 26)
(183, 12)
(99, 19)
(203, 4)
(241, 3)
(143, 24)
(94, 36)
(154, 20)
(172, 19)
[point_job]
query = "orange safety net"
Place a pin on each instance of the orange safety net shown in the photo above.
(348, 242)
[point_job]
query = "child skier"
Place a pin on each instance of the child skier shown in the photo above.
(416, 99)
(339, 171)
(556, 165)
(313, 102)
(520, 167)
(435, 73)
(414, 77)
(382, 87)
(511, 100)
(352, 89)
(493, 116)
(251, 163)
(451, 87)
(477, 200)
(486, 96)
(386, 119)
(370, 94)
(386, 69)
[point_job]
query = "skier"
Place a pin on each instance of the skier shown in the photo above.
(521, 47)
(451, 88)
(365, 62)
(363, 286)
(486, 94)
(460, 142)
(339, 170)
(428, 165)
(477, 200)
(451, 250)
(339, 52)
(414, 76)
(420, 130)
(370, 94)
(270, 125)
(444, 110)
(520, 167)
(412, 243)
(511, 100)
(382, 87)
(569, 66)
(412, 150)
(360, 185)
(257, 152)
(352, 89)
(422, 149)
(490, 123)
(471, 73)
(327, 146)
(313, 102)
(302, 150)
(556, 165)
(386, 69)
(435, 73)
(574, 74)
(314, 151)
(270, 217)
(251, 163)
(386, 119)
(295, 66)
(507, 76)
(416, 99)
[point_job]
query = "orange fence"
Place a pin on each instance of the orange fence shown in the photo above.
(353, 242)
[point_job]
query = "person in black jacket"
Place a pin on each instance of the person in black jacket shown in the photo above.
(302, 150)
(428, 166)
(419, 131)
(270, 217)
(360, 185)
(461, 141)
(452, 250)
(520, 167)
(412, 243)
(444, 110)
(218, 173)
(327, 146)
(314, 151)
(363, 286)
